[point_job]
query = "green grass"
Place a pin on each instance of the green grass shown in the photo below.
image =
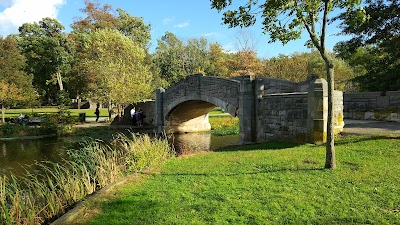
(269, 183)
(224, 125)
(216, 111)
(74, 112)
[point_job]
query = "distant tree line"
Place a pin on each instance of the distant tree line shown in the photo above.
(106, 58)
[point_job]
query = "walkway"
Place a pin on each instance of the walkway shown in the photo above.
(360, 127)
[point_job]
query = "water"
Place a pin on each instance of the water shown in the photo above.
(16, 155)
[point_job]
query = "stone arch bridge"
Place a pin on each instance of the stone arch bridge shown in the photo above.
(267, 108)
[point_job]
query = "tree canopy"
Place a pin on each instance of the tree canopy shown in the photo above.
(47, 54)
(116, 66)
(375, 45)
(15, 84)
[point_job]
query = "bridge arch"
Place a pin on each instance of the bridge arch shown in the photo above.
(190, 113)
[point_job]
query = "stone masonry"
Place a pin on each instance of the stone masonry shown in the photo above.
(267, 108)
(372, 105)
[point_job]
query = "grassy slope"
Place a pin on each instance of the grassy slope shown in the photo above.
(74, 112)
(269, 183)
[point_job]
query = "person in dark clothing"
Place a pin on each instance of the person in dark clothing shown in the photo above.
(139, 117)
(97, 112)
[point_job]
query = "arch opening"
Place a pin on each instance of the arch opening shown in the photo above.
(190, 116)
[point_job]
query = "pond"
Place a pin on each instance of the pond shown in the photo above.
(16, 156)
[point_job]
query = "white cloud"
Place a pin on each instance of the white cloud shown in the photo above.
(168, 20)
(26, 11)
(182, 25)
(210, 34)
(229, 48)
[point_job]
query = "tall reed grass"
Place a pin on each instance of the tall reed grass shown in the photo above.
(40, 198)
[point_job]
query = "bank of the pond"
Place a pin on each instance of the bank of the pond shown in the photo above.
(268, 183)
(35, 198)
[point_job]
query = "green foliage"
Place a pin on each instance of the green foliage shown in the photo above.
(104, 17)
(169, 58)
(15, 85)
(269, 183)
(116, 66)
(38, 198)
(47, 52)
(374, 48)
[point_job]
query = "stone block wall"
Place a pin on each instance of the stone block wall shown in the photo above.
(274, 85)
(282, 116)
(338, 111)
(372, 105)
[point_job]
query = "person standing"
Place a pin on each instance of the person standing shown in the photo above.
(133, 116)
(139, 117)
(97, 112)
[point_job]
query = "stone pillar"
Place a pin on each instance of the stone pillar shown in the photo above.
(317, 110)
(159, 110)
(247, 111)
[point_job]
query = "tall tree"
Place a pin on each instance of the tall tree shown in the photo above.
(116, 65)
(285, 21)
(15, 84)
(169, 58)
(195, 56)
(218, 61)
(46, 50)
(105, 17)
(377, 41)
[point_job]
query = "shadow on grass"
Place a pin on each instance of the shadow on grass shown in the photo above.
(343, 140)
(262, 170)
(269, 145)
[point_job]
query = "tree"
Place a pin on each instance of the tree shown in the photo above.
(15, 84)
(375, 41)
(104, 17)
(195, 56)
(169, 58)
(46, 50)
(293, 67)
(218, 61)
(116, 65)
(285, 21)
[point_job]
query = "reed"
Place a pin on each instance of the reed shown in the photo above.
(39, 198)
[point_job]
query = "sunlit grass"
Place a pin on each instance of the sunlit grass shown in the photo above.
(224, 125)
(13, 113)
(268, 183)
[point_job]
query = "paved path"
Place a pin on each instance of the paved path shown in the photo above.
(370, 127)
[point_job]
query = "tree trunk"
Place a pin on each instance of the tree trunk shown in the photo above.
(330, 162)
(78, 100)
(59, 81)
(3, 111)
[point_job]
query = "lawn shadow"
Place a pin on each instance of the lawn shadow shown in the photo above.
(268, 145)
(262, 170)
(346, 139)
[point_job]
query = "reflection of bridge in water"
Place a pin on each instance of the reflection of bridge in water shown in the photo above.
(266, 107)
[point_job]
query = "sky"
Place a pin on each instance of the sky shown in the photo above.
(185, 18)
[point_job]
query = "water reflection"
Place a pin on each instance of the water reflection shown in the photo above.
(202, 142)
(17, 155)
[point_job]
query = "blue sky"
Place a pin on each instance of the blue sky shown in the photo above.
(185, 18)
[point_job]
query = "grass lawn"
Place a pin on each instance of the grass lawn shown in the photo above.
(268, 183)
(74, 112)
